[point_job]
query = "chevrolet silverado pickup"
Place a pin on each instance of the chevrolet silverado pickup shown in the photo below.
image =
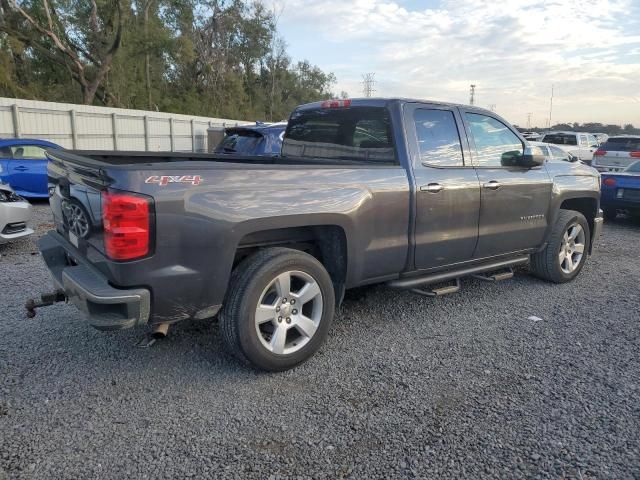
(413, 194)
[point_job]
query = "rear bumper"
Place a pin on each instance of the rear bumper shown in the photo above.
(106, 307)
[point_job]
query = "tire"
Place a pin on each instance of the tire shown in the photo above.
(257, 288)
(549, 263)
(610, 213)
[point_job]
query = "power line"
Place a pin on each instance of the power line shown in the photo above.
(368, 83)
(472, 93)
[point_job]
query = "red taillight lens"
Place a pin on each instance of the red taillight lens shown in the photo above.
(609, 182)
(336, 103)
(600, 152)
(634, 154)
(127, 225)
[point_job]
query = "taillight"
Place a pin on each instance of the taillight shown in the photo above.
(634, 154)
(609, 182)
(127, 225)
(600, 152)
(336, 103)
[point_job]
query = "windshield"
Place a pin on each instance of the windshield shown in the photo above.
(242, 143)
(560, 139)
(622, 144)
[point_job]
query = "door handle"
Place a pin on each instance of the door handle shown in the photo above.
(21, 169)
(431, 188)
(492, 185)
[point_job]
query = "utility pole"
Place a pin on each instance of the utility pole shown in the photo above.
(529, 120)
(472, 93)
(551, 105)
(368, 82)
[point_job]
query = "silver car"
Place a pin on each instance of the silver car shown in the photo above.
(15, 212)
(617, 153)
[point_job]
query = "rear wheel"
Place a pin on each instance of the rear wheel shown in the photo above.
(566, 252)
(278, 310)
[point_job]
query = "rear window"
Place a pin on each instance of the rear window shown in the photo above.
(353, 133)
(621, 144)
(560, 139)
(633, 168)
(241, 143)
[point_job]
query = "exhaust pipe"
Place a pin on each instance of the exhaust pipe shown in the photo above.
(160, 330)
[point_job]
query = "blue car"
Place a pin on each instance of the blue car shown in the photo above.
(23, 165)
(258, 139)
(621, 191)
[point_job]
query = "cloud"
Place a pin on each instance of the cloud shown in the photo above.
(513, 50)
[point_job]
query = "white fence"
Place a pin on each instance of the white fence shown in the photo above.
(85, 127)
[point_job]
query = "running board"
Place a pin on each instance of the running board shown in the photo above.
(439, 277)
(495, 276)
(438, 292)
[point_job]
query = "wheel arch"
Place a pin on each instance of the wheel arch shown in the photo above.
(326, 242)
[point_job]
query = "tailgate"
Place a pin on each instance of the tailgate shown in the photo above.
(92, 216)
(75, 187)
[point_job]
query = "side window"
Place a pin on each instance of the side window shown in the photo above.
(5, 152)
(558, 153)
(438, 138)
(28, 151)
(583, 141)
(593, 141)
(496, 145)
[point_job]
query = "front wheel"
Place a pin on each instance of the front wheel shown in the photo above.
(278, 310)
(566, 252)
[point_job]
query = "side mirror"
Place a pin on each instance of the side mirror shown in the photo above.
(533, 157)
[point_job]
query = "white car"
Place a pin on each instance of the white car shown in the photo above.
(15, 212)
(580, 144)
(554, 153)
(617, 153)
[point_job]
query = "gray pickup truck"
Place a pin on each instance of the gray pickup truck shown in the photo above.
(410, 193)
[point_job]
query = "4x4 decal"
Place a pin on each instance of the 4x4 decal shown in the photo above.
(164, 180)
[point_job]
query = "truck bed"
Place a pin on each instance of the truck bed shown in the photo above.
(128, 158)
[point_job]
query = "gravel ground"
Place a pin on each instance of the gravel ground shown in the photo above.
(406, 387)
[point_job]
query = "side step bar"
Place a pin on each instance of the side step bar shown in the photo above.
(438, 292)
(495, 276)
(438, 277)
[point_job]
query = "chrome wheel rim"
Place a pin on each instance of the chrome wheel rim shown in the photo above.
(78, 222)
(572, 248)
(289, 312)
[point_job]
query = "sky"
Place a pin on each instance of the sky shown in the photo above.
(514, 51)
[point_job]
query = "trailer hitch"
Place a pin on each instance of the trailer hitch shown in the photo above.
(46, 299)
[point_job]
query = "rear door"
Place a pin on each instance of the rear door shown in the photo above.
(28, 169)
(447, 187)
(514, 201)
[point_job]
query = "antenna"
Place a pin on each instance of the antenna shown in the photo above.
(472, 93)
(368, 82)
(551, 105)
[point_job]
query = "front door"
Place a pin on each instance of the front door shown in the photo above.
(447, 188)
(514, 201)
(28, 169)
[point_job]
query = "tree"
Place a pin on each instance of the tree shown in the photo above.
(202, 57)
(85, 48)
